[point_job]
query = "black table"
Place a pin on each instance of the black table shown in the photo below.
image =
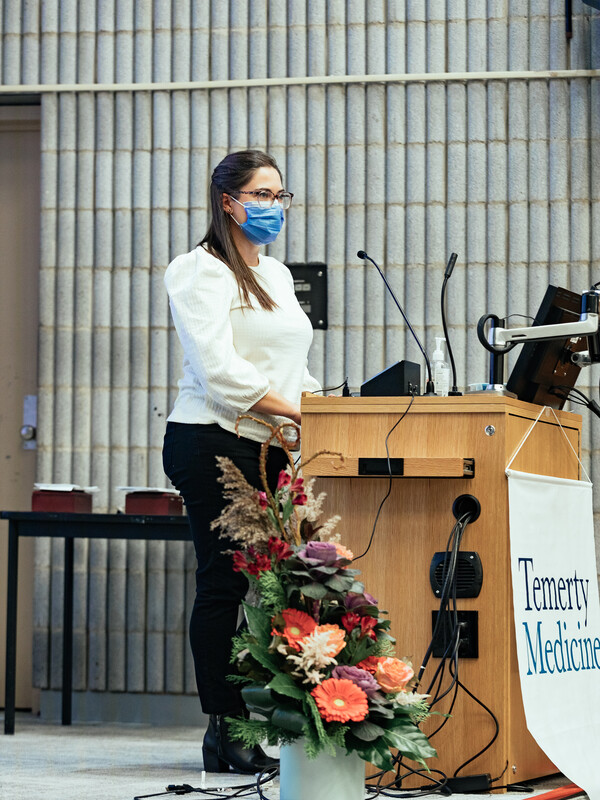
(69, 527)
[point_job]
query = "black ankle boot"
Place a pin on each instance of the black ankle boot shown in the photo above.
(220, 752)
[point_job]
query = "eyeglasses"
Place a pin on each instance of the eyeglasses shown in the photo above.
(265, 198)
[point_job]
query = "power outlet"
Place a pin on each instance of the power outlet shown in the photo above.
(468, 646)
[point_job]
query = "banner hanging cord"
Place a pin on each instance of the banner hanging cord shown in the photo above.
(532, 426)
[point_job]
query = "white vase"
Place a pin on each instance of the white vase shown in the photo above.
(326, 777)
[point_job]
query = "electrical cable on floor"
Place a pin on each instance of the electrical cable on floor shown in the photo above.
(244, 790)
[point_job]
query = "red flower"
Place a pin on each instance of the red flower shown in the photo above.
(299, 500)
(278, 548)
(370, 663)
(350, 621)
(283, 480)
(239, 561)
(262, 499)
(297, 485)
(260, 562)
(366, 627)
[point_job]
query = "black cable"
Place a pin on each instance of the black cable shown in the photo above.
(244, 790)
(496, 725)
(391, 430)
(388, 790)
(332, 388)
(493, 780)
(577, 397)
(449, 570)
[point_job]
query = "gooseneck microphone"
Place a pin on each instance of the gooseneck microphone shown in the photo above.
(447, 273)
(430, 389)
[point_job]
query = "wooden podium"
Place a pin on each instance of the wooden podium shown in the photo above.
(450, 446)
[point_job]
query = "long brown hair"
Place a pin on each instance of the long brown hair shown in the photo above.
(233, 172)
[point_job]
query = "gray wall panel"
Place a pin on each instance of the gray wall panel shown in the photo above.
(503, 172)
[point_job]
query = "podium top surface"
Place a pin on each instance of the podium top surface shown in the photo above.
(465, 404)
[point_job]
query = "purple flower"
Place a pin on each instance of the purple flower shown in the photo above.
(323, 553)
(355, 601)
(358, 676)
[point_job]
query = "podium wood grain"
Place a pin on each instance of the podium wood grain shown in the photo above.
(416, 522)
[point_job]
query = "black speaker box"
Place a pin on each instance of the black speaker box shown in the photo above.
(399, 380)
(469, 573)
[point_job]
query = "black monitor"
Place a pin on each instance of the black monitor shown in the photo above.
(545, 365)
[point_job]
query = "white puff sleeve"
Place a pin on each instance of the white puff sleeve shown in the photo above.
(200, 295)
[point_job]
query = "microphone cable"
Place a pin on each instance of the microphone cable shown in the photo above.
(389, 465)
(332, 388)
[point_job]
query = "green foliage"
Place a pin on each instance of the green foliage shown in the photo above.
(311, 710)
(286, 508)
(314, 590)
(259, 622)
(254, 731)
(272, 593)
(367, 731)
(358, 649)
(238, 643)
(383, 647)
(264, 658)
(259, 699)
(412, 742)
(337, 734)
(377, 753)
(290, 719)
(284, 684)
(244, 679)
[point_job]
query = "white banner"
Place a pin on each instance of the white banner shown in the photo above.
(557, 620)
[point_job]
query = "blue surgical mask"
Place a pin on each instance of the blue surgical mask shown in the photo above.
(262, 225)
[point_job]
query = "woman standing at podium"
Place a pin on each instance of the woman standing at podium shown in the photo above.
(245, 344)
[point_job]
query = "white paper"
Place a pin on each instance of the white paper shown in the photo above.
(157, 489)
(64, 487)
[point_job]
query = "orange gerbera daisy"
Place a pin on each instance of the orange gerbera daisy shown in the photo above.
(340, 700)
(337, 638)
(298, 624)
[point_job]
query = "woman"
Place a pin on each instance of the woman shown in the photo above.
(245, 341)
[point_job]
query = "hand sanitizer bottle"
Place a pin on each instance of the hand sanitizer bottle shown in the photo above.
(441, 370)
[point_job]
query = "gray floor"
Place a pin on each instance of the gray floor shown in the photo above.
(119, 762)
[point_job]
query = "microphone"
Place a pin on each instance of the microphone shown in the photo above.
(430, 389)
(447, 273)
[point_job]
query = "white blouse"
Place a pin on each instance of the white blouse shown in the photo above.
(233, 355)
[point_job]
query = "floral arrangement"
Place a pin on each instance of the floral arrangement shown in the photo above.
(317, 660)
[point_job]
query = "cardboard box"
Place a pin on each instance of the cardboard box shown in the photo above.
(154, 503)
(73, 502)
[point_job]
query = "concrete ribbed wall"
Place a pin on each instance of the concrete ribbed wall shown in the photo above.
(504, 172)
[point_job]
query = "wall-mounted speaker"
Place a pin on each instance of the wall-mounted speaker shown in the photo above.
(469, 573)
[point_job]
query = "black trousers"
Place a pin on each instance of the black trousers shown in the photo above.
(189, 462)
